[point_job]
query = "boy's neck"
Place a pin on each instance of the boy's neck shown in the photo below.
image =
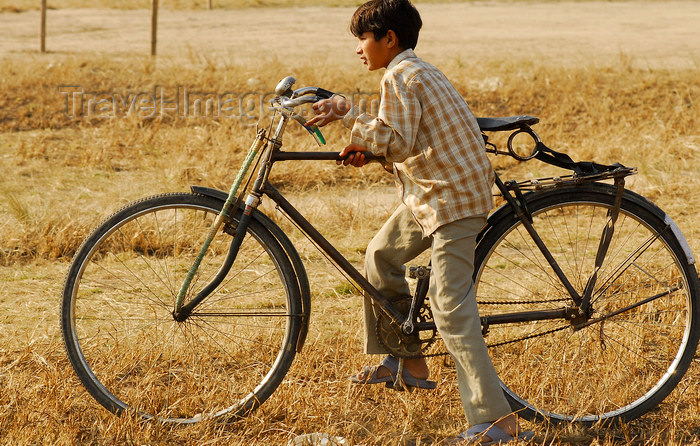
(392, 55)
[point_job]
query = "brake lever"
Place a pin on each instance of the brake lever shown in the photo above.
(312, 129)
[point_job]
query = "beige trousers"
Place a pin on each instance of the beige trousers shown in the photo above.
(452, 301)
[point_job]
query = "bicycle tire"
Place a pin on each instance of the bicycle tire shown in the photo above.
(117, 319)
(618, 368)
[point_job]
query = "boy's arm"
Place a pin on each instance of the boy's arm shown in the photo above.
(393, 132)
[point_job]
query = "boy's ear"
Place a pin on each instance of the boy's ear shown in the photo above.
(391, 39)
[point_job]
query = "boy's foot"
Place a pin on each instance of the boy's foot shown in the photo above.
(415, 373)
(500, 432)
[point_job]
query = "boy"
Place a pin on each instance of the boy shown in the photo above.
(426, 129)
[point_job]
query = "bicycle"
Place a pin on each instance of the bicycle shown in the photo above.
(588, 292)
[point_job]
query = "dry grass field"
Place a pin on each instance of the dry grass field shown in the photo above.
(629, 96)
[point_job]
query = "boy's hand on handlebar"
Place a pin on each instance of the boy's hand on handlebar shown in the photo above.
(329, 110)
(353, 156)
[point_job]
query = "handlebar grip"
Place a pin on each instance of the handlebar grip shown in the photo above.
(333, 156)
(372, 158)
(283, 155)
(323, 93)
(368, 156)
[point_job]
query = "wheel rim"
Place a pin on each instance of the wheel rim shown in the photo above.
(219, 361)
(610, 368)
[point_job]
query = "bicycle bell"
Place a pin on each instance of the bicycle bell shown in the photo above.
(284, 88)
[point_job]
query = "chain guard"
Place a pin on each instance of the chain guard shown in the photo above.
(401, 345)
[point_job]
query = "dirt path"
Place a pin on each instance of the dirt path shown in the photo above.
(658, 34)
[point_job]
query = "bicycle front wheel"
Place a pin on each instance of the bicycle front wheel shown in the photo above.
(642, 333)
(130, 352)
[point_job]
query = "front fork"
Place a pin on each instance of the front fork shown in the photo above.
(240, 231)
(182, 312)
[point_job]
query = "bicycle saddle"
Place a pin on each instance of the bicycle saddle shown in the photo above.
(508, 123)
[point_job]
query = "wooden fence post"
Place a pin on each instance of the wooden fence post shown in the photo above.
(43, 26)
(208, 4)
(154, 26)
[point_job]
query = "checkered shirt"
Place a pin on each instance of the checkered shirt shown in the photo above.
(426, 129)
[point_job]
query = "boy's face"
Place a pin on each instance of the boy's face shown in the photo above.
(376, 53)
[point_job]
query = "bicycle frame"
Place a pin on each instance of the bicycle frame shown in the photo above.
(577, 314)
(351, 271)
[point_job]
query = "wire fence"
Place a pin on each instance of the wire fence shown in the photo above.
(154, 24)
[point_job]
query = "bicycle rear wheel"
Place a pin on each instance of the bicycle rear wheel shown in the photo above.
(117, 314)
(645, 303)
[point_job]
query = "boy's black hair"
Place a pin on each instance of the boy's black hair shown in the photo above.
(380, 16)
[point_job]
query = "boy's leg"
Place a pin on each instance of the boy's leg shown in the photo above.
(456, 315)
(399, 241)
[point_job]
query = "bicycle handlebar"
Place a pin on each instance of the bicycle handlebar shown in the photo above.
(284, 89)
(295, 102)
(305, 95)
(322, 93)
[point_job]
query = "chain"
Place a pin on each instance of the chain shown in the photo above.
(536, 335)
(499, 344)
(511, 341)
(518, 302)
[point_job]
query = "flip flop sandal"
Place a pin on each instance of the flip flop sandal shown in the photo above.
(370, 373)
(474, 434)
(392, 364)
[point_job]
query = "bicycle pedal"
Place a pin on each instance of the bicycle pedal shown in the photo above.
(418, 272)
